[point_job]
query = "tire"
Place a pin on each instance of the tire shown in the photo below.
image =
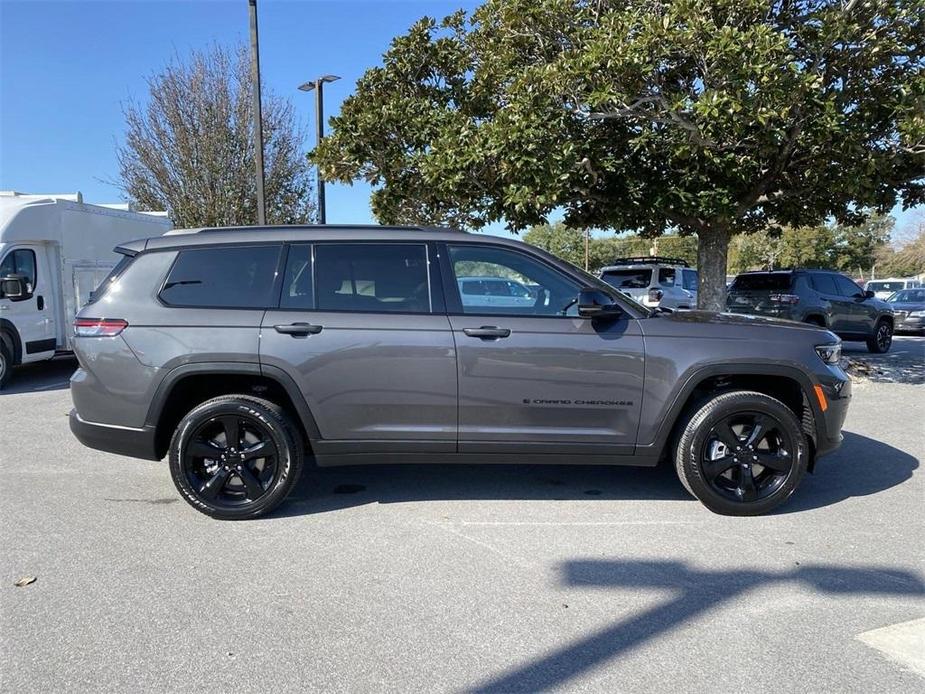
(227, 478)
(882, 339)
(6, 364)
(701, 453)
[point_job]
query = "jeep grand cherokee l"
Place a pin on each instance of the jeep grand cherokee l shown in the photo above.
(237, 352)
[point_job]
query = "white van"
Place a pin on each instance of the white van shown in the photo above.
(885, 288)
(55, 250)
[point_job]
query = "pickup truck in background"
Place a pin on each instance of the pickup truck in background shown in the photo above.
(54, 251)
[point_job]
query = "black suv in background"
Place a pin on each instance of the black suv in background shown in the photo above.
(820, 297)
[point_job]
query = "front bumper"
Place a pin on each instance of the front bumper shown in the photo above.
(909, 323)
(136, 443)
(829, 423)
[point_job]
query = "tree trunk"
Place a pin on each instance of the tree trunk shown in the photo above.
(712, 251)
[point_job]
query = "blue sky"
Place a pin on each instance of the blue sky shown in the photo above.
(66, 68)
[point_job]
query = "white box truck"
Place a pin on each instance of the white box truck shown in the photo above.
(54, 251)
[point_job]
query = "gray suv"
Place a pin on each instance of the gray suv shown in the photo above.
(238, 352)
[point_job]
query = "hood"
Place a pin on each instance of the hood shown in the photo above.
(907, 305)
(735, 319)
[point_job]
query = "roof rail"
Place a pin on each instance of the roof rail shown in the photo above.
(269, 227)
(650, 260)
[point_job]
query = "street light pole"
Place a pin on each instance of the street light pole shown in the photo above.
(258, 116)
(318, 86)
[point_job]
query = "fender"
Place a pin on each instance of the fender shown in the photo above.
(670, 413)
(283, 379)
(6, 326)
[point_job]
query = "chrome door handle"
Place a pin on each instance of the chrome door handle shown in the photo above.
(488, 332)
(297, 329)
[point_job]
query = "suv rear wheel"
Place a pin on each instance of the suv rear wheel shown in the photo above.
(882, 339)
(235, 457)
(742, 453)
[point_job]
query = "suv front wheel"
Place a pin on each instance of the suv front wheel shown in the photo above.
(742, 453)
(235, 457)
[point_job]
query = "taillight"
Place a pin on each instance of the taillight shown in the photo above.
(655, 295)
(785, 298)
(99, 327)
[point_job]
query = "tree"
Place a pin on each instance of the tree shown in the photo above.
(711, 117)
(190, 149)
(562, 242)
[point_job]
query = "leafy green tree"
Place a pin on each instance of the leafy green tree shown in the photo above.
(190, 148)
(561, 241)
(711, 117)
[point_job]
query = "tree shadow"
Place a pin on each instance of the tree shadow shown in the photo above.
(861, 467)
(42, 376)
(696, 592)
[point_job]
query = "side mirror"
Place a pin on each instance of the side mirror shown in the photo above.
(868, 294)
(593, 303)
(13, 287)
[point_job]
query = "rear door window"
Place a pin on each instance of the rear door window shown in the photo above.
(236, 277)
(845, 286)
(824, 284)
(690, 278)
(372, 277)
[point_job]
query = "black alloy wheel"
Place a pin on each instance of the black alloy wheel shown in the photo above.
(236, 456)
(747, 456)
(741, 453)
(882, 338)
(231, 460)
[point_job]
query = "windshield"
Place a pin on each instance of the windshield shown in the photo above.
(762, 281)
(908, 296)
(630, 279)
(885, 286)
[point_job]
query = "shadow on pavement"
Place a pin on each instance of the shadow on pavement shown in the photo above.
(328, 489)
(697, 592)
(862, 466)
(42, 376)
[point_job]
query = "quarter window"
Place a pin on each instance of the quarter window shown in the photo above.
(20, 262)
(666, 276)
(239, 277)
(499, 281)
(372, 277)
(690, 280)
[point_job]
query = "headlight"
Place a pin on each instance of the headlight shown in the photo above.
(830, 354)
(917, 314)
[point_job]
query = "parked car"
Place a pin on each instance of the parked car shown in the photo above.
(237, 351)
(495, 291)
(820, 297)
(908, 310)
(882, 289)
(54, 249)
(654, 281)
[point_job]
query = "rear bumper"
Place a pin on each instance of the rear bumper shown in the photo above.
(136, 443)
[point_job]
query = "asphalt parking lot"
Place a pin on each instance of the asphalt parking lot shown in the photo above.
(507, 578)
